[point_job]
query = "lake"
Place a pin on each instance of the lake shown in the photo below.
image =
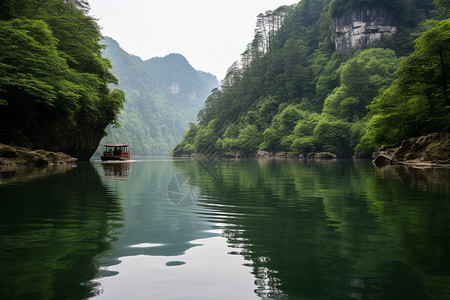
(224, 229)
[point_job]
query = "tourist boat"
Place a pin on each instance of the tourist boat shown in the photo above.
(116, 152)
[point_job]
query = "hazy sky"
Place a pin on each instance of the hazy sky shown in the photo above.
(211, 34)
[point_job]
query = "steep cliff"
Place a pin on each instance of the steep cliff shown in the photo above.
(358, 28)
(81, 142)
(56, 90)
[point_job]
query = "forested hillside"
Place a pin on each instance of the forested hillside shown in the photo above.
(293, 91)
(54, 82)
(162, 96)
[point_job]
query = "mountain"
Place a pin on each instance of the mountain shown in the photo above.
(163, 95)
(312, 76)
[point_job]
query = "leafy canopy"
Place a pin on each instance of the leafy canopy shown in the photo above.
(54, 82)
(418, 101)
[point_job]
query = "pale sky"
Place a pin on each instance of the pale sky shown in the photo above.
(211, 34)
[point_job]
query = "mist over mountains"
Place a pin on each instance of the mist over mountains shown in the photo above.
(163, 95)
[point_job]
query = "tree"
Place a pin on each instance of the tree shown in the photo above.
(334, 136)
(431, 60)
(443, 4)
(417, 103)
(33, 77)
(360, 79)
(53, 79)
(208, 112)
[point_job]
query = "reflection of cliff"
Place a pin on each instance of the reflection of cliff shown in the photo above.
(427, 179)
(356, 29)
(51, 230)
(9, 175)
(309, 230)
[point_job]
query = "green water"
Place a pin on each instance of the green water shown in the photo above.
(200, 229)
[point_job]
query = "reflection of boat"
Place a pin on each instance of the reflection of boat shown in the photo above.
(116, 152)
(116, 170)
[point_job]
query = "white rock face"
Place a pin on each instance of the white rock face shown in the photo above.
(175, 88)
(356, 29)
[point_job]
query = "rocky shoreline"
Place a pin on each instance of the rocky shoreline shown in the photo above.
(18, 156)
(430, 151)
(266, 155)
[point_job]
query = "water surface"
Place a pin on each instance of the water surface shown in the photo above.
(239, 229)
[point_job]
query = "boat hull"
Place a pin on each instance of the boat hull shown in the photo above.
(114, 158)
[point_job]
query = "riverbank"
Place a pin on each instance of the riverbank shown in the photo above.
(18, 156)
(430, 151)
(264, 155)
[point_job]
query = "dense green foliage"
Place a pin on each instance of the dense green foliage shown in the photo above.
(443, 4)
(299, 95)
(418, 101)
(162, 96)
(54, 90)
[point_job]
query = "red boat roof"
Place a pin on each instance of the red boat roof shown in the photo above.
(117, 145)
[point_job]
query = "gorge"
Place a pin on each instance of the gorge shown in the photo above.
(163, 94)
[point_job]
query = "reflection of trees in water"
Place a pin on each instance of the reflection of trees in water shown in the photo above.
(416, 210)
(266, 281)
(151, 216)
(52, 229)
(313, 230)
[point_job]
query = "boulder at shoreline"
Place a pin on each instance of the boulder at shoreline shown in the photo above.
(321, 155)
(17, 156)
(278, 155)
(432, 150)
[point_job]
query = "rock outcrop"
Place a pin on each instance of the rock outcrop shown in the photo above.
(232, 155)
(278, 155)
(312, 155)
(356, 29)
(80, 143)
(321, 155)
(265, 155)
(432, 150)
(11, 156)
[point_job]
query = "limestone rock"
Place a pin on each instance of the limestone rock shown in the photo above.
(263, 154)
(311, 155)
(432, 150)
(7, 151)
(321, 155)
(278, 155)
(283, 154)
(10, 156)
(232, 155)
(356, 29)
(382, 160)
(326, 155)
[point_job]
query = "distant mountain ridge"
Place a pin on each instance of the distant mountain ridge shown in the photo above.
(163, 95)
